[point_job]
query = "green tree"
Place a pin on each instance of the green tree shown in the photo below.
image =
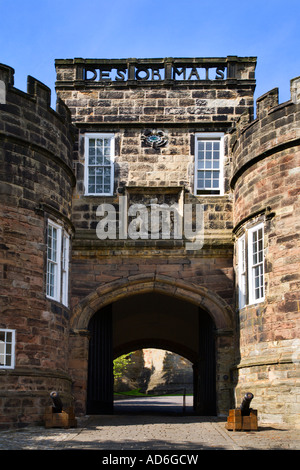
(120, 365)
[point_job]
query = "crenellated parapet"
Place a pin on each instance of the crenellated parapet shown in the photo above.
(276, 127)
(29, 117)
(37, 145)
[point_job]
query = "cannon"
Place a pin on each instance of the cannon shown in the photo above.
(246, 404)
(56, 402)
(243, 418)
(56, 416)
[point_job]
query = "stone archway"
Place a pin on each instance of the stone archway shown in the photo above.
(107, 293)
(110, 293)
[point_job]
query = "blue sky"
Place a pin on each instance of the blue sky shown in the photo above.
(35, 33)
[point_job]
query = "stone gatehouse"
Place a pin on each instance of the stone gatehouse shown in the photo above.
(152, 209)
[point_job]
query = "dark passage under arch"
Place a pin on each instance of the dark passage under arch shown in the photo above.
(101, 348)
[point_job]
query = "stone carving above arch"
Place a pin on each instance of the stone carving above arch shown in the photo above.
(110, 292)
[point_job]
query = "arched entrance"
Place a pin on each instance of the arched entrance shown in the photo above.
(159, 312)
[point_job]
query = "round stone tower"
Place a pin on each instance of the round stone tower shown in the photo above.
(36, 180)
(265, 182)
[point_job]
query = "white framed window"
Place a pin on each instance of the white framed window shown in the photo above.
(65, 268)
(251, 266)
(242, 271)
(99, 164)
(53, 260)
(209, 157)
(256, 263)
(57, 263)
(7, 349)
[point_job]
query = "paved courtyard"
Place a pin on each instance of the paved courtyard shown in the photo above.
(162, 428)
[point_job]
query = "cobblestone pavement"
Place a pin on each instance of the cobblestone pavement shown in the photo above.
(162, 427)
(150, 431)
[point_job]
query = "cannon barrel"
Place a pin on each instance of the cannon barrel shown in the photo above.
(246, 403)
(57, 403)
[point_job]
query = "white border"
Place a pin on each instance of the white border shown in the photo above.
(255, 228)
(57, 286)
(98, 135)
(242, 286)
(215, 136)
(13, 348)
(65, 279)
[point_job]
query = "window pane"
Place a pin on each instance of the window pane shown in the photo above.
(201, 155)
(99, 151)
(258, 282)
(257, 264)
(200, 183)
(6, 348)
(91, 180)
(99, 159)
(53, 262)
(208, 159)
(8, 360)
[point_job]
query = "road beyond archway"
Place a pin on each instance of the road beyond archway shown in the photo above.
(163, 405)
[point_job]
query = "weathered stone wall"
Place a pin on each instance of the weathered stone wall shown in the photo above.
(265, 181)
(257, 349)
(36, 182)
(180, 108)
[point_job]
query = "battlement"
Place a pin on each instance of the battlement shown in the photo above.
(276, 127)
(29, 117)
(36, 146)
(36, 91)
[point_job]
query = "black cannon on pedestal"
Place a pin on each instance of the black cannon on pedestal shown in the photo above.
(245, 405)
(56, 417)
(57, 405)
(243, 418)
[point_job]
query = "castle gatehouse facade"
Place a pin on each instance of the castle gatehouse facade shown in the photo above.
(157, 207)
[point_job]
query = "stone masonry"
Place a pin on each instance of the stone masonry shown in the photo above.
(265, 181)
(36, 183)
(160, 293)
